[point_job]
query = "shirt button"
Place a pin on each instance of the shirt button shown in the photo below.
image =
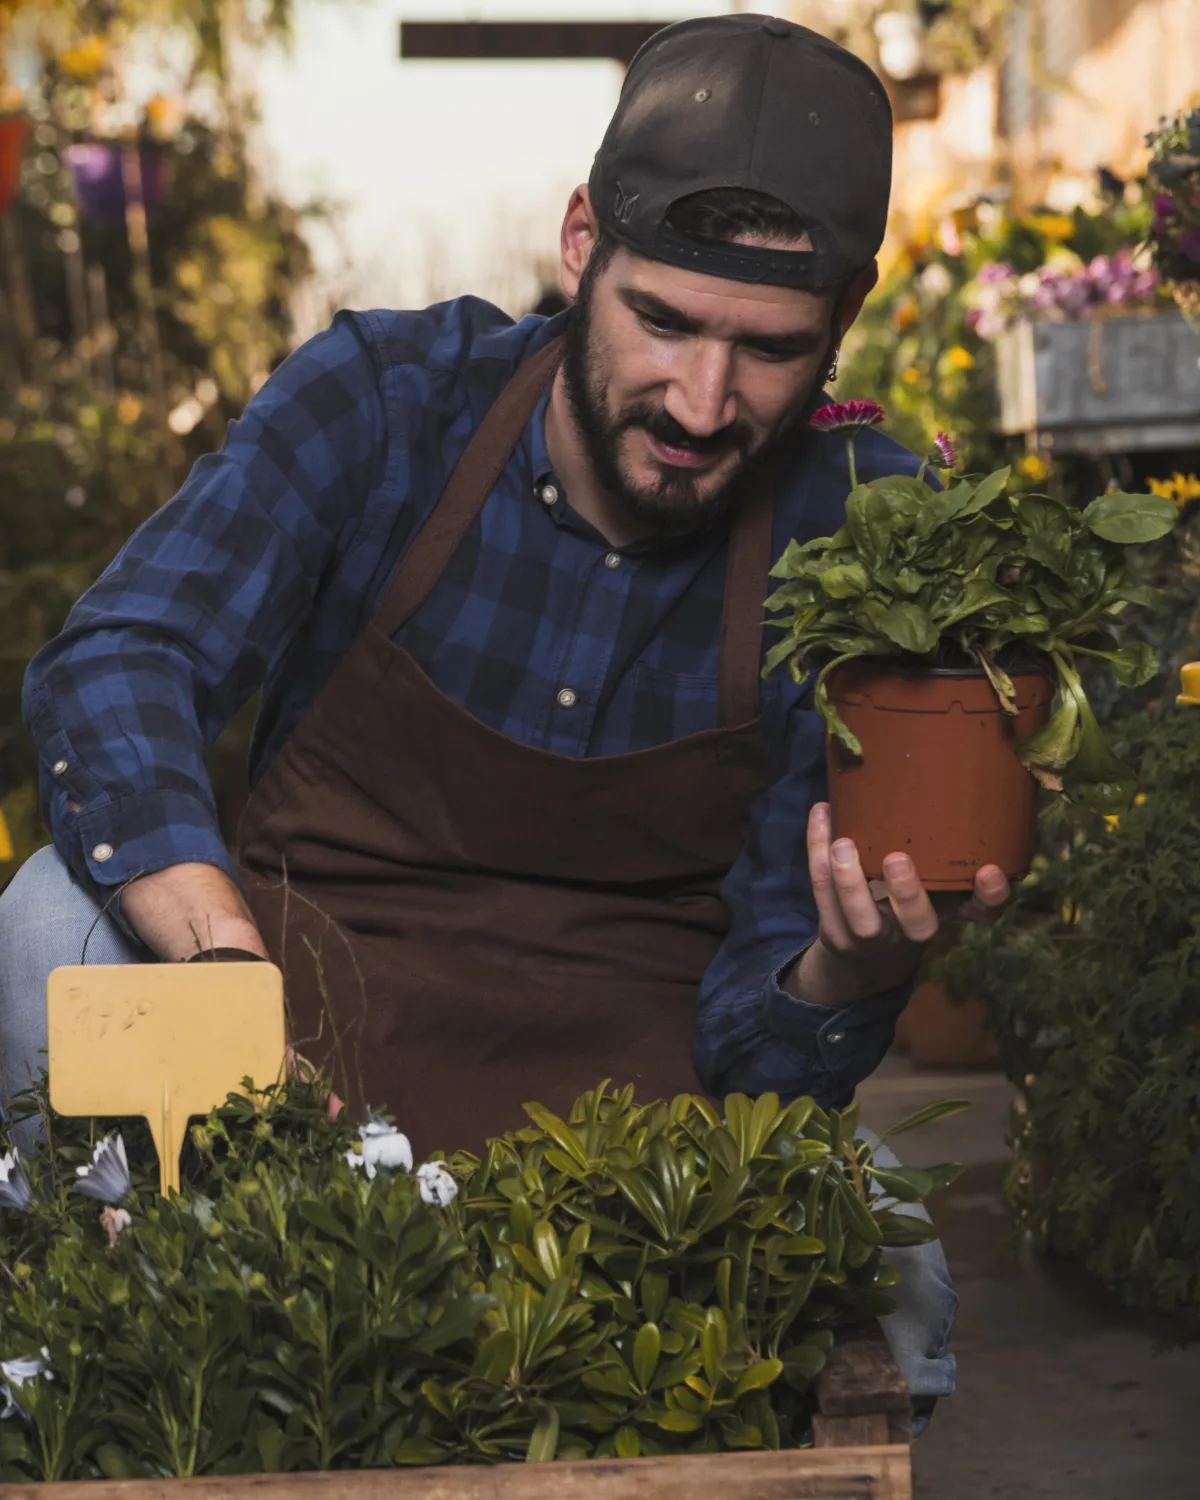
(835, 1037)
(102, 852)
(548, 494)
(613, 560)
(61, 767)
(566, 699)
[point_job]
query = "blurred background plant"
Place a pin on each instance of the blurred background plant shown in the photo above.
(146, 285)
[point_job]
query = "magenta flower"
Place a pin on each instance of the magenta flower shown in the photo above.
(944, 449)
(847, 416)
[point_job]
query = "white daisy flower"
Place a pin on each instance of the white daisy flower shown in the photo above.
(383, 1147)
(15, 1191)
(15, 1373)
(107, 1178)
(437, 1185)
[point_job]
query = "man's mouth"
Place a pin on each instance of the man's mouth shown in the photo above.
(681, 457)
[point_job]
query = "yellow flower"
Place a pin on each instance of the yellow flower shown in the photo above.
(960, 358)
(1180, 488)
(85, 59)
(1033, 466)
(905, 314)
(1112, 820)
(910, 375)
(129, 409)
(163, 116)
(1054, 227)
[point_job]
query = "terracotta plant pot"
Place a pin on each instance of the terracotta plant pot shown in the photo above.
(12, 144)
(936, 1034)
(939, 778)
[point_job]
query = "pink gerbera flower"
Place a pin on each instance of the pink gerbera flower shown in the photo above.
(849, 417)
(944, 449)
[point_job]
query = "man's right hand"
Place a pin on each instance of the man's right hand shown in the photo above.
(184, 909)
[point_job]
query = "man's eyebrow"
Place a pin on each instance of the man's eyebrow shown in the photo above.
(646, 302)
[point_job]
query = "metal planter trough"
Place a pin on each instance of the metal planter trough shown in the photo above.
(1101, 385)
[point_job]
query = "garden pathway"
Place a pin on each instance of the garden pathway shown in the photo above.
(1061, 1394)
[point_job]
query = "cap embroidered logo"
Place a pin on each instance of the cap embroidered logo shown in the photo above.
(623, 206)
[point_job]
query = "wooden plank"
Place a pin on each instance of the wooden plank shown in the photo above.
(870, 1473)
(850, 1432)
(862, 1379)
(618, 40)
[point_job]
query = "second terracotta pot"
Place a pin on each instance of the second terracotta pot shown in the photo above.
(939, 778)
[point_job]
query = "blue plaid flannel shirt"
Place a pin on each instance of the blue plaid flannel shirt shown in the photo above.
(275, 554)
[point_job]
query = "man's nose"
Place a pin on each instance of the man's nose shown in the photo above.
(700, 396)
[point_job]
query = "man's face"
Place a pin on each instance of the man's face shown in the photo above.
(685, 387)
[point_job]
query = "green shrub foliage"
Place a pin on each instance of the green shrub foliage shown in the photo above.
(635, 1279)
(1091, 981)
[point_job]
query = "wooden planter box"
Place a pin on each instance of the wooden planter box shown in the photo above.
(1102, 384)
(862, 1437)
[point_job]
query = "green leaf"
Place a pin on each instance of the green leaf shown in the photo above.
(543, 1443)
(679, 1421)
(1130, 519)
(989, 488)
(1096, 778)
(627, 1442)
(419, 1450)
(908, 1184)
(845, 580)
(758, 1377)
(1048, 751)
(943, 1109)
(558, 1130)
(646, 1347)
(496, 1358)
(906, 624)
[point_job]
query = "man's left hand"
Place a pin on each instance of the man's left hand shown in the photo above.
(872, 934)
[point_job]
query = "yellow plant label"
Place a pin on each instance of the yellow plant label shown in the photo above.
(165, 1041)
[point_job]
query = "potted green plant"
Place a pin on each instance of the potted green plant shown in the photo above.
(946, 625)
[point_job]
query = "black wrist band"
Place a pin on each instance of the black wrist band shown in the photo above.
(226, 956)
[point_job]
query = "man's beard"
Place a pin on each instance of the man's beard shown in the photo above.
(675, 503)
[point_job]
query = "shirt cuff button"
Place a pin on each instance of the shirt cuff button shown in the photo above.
(102, 852)
(835, 1037)
(61, 767)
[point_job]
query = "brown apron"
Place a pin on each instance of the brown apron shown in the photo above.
(466, 922)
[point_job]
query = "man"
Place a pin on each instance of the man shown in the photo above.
(524, 815)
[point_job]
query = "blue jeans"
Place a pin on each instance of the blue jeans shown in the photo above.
(48, 919)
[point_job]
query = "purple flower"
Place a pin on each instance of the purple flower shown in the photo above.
(847, 416)
(944, 451)
(994, 270)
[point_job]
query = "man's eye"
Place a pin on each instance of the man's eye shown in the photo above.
(657, 325)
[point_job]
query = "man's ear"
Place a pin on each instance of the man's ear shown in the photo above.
(578, 238)
(855, 294)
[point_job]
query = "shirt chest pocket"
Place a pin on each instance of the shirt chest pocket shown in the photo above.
(670, 705)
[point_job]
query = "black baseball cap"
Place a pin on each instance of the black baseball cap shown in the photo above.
(751, 102)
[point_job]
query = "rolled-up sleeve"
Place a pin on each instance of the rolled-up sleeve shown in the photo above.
(751, 1035)
(179, 630)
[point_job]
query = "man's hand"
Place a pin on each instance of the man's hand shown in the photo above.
(872, 934)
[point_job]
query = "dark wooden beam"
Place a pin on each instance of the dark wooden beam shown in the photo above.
(618, 40)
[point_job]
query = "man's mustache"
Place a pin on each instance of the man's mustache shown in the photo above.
(737, 437)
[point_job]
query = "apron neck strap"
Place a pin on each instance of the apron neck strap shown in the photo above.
(470, 484)
(489, 449)
(747, 583)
